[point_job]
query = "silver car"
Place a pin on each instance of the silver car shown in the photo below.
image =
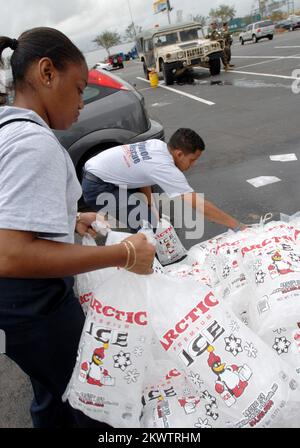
(256, 31)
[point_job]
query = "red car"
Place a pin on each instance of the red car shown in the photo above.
(116, 60)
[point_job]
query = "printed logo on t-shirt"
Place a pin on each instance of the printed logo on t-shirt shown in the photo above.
(135, 153)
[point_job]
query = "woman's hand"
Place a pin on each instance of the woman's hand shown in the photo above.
(144, 253)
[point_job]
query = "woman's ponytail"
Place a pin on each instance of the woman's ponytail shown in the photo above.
(6, 42)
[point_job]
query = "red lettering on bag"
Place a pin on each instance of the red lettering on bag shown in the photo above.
(179, 329)
(275, 239)
(209, 301)
(96, 306)
(106, 311)
(130, 317)
(160, 235)
(138, 316)
(85, 298)
(170, 336)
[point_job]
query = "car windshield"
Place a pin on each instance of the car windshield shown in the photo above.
(165, 39)
(265, 23)
(192, 34)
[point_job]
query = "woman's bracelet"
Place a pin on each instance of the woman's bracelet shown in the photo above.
(134, 255)
(128, 255)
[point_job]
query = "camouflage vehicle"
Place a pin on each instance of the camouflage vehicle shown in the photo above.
(172, 48)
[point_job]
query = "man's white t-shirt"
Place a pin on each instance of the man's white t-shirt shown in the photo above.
(140, 165)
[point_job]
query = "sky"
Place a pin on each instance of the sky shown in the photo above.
(82, 20)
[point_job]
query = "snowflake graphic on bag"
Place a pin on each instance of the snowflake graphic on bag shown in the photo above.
(260, 276)
(250, 349)
(233, 345)
(281, 345)
(122, 360)
(132, 376)
(202, 423)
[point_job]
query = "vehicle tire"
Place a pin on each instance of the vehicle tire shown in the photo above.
(291, 28)
(271, 37)
(215, 67)
(146, 72)
(167, 74)
(242, 41)
(254, 39)
(122, 66)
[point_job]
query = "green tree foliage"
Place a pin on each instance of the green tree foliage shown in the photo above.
(107, 39)
(131, 31)
(262, 7)
(224, 13)
(278, 15)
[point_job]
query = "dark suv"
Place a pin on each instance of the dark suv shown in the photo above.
(116, 60)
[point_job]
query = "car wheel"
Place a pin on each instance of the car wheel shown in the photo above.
(242, 41)
(215, 67)
(146, 71)
(167, 74)
(122, 66)
(271, 37)
(291, 28)
(254, 39)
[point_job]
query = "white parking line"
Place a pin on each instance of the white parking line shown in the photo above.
(188, 95)
(268, 61)
(266, 57)
(258, 63)
(262, 74)
(289, 46)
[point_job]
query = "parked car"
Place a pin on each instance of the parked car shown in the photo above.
(283, 24)
(116, 60)
(294, 22)
(256, 31)
(104, 66)
(288, 24)
(114, 114)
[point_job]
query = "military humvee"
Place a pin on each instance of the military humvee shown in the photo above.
(172, 48)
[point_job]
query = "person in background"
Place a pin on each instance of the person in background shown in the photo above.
(227, 43)
(125, 170)
(39, 313)
(215, 34)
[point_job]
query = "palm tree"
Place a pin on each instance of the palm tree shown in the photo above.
(107, 39)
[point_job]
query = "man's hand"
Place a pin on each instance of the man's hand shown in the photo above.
(84, 223)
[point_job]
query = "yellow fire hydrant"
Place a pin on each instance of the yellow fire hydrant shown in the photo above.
(153, 78)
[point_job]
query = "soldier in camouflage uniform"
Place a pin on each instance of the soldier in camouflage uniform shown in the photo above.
(227, 43)
(216, 35)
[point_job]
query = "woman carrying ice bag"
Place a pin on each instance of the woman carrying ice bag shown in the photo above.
(41, 317)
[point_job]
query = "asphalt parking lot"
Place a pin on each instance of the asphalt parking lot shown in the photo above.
(244, 116)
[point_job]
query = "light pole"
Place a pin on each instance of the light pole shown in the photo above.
(169, 9)
(130, 12)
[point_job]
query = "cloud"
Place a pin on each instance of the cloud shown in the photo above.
(84, 19)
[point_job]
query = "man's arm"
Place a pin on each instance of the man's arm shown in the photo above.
(211, 211)
(147, 191)
(151, 203)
